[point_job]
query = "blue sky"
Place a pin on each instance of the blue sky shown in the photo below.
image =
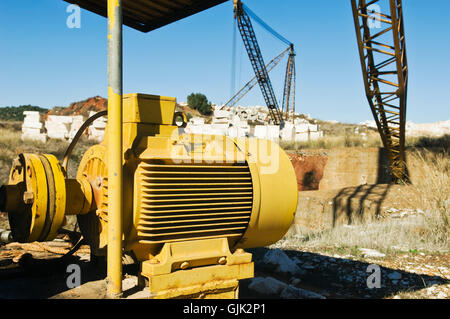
(43, 62)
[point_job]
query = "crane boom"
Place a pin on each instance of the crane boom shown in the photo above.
(382, 50)
(251, 84)
(254, 53)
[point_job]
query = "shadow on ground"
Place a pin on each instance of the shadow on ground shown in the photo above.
(359, 204)
(46, 278)
(338, 277)
(364, 201)
(328, 276)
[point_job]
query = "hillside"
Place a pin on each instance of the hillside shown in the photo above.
(15, 113)
(335, 133)
(95, 104)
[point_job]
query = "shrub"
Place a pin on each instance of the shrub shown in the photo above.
(199, 102)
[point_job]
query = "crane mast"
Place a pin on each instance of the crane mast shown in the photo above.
(254, 53)
(382, 50)
(289, 85)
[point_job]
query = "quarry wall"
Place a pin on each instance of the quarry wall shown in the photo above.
(346, 186)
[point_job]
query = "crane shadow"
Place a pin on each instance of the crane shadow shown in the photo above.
(364, 202)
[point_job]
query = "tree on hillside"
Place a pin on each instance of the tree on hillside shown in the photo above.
(15, 113)
(199, 102)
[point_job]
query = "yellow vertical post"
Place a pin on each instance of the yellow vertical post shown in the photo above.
(114, 138)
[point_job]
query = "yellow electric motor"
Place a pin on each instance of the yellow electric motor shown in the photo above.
(190, 200)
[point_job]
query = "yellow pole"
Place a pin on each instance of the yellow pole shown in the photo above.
(114, 138)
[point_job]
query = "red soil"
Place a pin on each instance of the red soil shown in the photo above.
(96, 104)
(308, 169)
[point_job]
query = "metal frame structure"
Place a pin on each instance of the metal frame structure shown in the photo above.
(385, 71)
(254, 53)
(148, 15)
(144, 16)
(115, 153)
(254, 81)
(289, 86)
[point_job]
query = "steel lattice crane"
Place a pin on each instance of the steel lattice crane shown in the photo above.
(382, 51)
(289, 85)
(254, 53)
(254, 81)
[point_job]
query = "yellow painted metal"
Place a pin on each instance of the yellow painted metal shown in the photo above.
(36, 184)
(115, 154)
(60, 196)
(188, 203)
(210, 282)
(197, 269)
(163, 109)
(195, 253)
(192, 187)
(37, 192)
(94, 225)
(275, 192)
(115, 196)
(80, 197)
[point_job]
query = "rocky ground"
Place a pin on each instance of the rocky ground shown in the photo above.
(286, 269)
(37, 270)
(327, 272)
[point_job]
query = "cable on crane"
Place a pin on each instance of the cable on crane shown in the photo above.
(244, 17)
(266, 26)
(233, 59)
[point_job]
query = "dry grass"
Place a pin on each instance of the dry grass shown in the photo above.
(370, 140)
(431, 190)
(427, 231)
(442, 142)
(410, 234)
(11, 145)
(339, 141)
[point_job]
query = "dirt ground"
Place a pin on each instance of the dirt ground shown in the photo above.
(37, 271)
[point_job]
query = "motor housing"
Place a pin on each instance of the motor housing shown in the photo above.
(190, 201)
